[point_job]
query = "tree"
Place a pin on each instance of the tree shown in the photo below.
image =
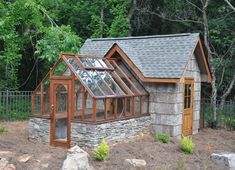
(217, 29)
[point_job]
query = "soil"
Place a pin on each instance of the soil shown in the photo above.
(157, 155)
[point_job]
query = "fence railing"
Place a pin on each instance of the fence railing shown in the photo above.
(15, 105)
(225, 116)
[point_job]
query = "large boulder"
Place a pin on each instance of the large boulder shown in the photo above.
(77, 159)
(224, 159)
(135, 164)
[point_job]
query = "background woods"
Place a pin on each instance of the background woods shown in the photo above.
(32, 34)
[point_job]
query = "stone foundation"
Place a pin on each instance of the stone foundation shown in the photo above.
(91, 135)
(39, 130)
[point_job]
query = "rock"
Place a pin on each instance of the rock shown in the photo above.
(24, 158)
(3, 163)
(135, 164)
(6, 155)
(44, 166)
(10, 167)
(77, 159)
(224, 159)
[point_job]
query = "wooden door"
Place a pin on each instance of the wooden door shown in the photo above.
(60, 112)
(188, 107)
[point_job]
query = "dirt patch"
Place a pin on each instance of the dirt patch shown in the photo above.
(16, 141)
(169, 156)
(156, 154)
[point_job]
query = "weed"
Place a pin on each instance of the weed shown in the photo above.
(164, 138)
(101, 152)
(187, 145)
(3, 129)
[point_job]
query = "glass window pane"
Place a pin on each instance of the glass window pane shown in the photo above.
(95, 62)
(130, 77)
(137, 105)
(88, 115)
(62, 70)
(85, 77)
(103, 63)
(110, 81)
(86, 62)
(98, 80)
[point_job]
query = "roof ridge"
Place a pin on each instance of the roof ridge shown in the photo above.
(144, 37)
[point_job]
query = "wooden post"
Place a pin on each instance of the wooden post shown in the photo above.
(41, 98)
(84, 98)
(94, 110)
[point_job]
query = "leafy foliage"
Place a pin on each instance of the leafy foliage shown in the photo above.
(164, 138)
(56, 40)
(102, 151)
(187, 145)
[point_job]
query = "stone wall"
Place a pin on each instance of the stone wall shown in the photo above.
(166, 102)
(166, 108)
(39, 130)
(192, 70)
(91, 135)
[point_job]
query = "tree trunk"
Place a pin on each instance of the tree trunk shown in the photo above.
(210, 59)
(130, 14)
(228, 91)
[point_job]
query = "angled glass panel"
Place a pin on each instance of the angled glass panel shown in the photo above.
(101, 83)
(121, 70)
(110, 81)
(86, 62)
(85, 77)
(104, 64)
(95, 62)
(62, 70)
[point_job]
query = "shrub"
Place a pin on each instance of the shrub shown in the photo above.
(3, 129)
(164, 138)
(187, 145)
(101, 152)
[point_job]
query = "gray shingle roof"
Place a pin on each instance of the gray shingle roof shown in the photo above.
(160, 56)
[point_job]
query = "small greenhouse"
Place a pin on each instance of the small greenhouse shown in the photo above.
(87, 90)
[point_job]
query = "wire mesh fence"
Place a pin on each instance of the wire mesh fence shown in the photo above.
(225, 116)
(15, 105)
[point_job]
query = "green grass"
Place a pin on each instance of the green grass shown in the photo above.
(13, 116)
(3, 129)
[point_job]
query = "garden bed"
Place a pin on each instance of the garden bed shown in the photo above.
(157, 155)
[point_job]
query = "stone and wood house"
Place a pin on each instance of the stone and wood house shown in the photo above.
(115, 88)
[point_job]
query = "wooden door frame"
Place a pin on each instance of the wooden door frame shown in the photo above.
(188, 81)
(53, 82)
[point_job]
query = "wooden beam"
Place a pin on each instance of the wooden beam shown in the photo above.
(205, 62)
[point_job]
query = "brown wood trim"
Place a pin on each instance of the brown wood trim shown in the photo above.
(116, 48)
(110, 120)
(205, 61)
